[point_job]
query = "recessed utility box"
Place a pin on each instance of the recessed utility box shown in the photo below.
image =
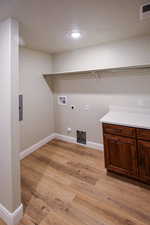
(145, 11)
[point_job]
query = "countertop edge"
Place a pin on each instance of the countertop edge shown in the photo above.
(124, 124)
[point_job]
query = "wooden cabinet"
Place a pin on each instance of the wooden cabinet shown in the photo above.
(127, 151)
(121, 154)
(143, 134)
(119, 130)
(144, 160)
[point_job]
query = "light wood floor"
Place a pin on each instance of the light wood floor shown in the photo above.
(66, 184)
(1, 222)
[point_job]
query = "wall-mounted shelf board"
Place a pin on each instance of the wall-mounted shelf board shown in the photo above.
(99, 70)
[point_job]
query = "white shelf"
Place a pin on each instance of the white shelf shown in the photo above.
(99, 70)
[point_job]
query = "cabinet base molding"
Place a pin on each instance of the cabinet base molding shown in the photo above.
(128, 179)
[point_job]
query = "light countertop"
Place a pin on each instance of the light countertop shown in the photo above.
(130, 119)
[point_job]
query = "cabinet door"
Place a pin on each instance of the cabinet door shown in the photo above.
(120, 154)
(144, 160)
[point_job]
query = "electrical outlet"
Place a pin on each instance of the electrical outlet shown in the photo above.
(69, 129)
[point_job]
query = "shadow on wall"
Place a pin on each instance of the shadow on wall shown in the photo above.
(50, 82)
(124, 82)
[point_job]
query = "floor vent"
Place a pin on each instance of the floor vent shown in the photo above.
(81, 137)
(145, 11)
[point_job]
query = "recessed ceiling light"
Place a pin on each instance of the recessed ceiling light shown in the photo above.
(75, 34)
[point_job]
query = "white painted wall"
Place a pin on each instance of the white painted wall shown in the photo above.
(130, 88)
(124, 53)
(38, 121)
(9, 134)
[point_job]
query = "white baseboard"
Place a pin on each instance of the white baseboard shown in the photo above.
(89, 144)
(11, 218)
(36, 146)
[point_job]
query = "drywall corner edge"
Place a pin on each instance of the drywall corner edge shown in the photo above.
(11, 218)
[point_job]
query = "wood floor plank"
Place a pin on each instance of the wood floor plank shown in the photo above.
(118, 199)
(66, 184)
(47, 170)
(106, 211)
(58, 165)
(54, 219)
(73, 158)
(47, 187)
(83, 154)
(81, 150)
(2, 222)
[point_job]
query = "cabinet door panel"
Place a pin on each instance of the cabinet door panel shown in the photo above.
(120, 154)
(144, 160)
